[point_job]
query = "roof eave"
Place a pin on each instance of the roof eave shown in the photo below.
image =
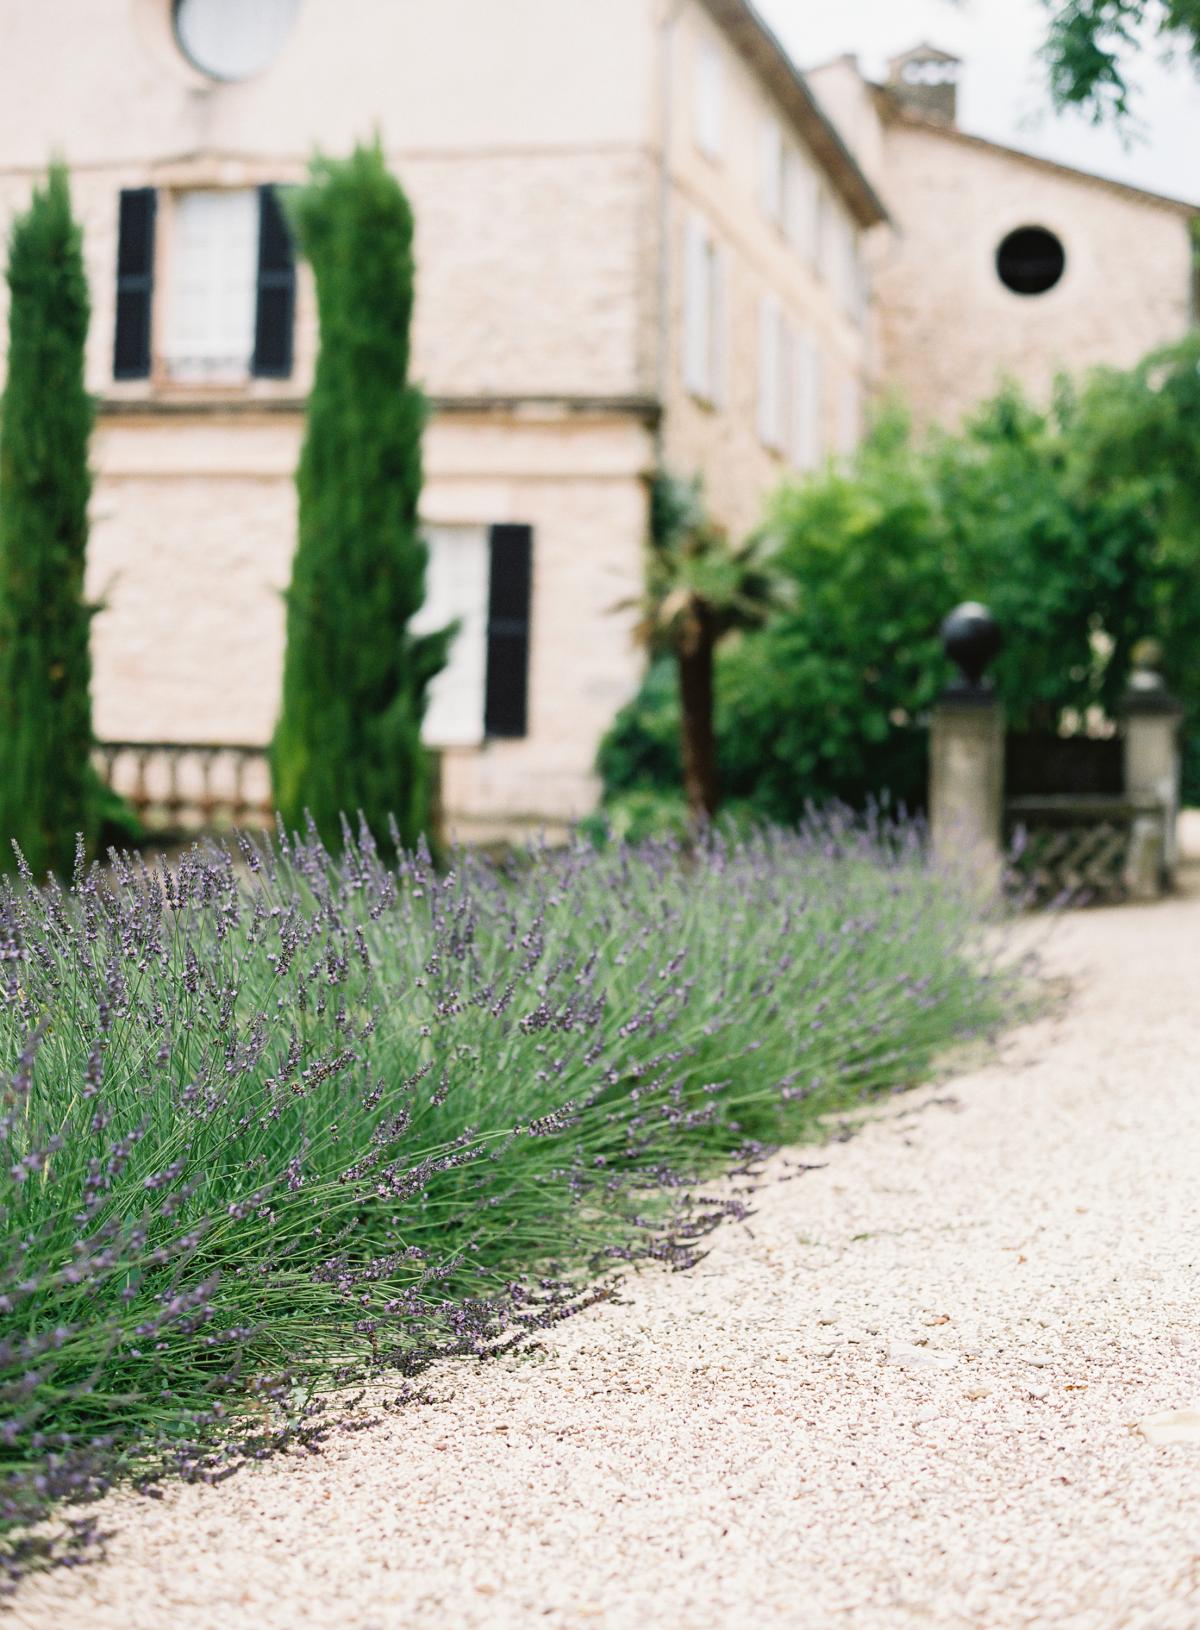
(897, 113)
(763, 50)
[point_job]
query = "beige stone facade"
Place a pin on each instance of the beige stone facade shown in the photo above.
(774, 250)
(949, 329)
(549, 148)
(641, 242)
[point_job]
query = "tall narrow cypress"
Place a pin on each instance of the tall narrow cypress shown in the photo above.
(47, 787)
(355, 677)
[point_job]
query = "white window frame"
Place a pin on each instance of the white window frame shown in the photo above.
(211, 285)
(801, 189)
(773, 349)
(709, 99)
(457, 589)
(807, 440)
(823, 244)
(705, 313)
(771, 166)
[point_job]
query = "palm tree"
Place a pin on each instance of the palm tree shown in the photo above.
(699, 588)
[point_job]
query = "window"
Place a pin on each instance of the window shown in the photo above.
(233, 39)
(772, 172)
(807, 441)
(848, 279)
(481, 578)
(213, 282)
(230, 286)
(456, 589)
(831, 241)
(800, 193)
(839, 261)
(774, 347)
(704, 313)
(710, 96)
(1030, 260)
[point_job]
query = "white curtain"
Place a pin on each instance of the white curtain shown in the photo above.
(213, 278)
(771, 181)
(771, 349)
(697, 304)
(457, 585)
(718, 324)
(800, 190)
(709, 99)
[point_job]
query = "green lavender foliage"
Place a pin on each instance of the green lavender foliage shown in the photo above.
(47, 790)
(356, 677)
(270, 1123)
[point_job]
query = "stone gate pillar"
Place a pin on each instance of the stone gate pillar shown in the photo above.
(966, 758)
(1151, 717)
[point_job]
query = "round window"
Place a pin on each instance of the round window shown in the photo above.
(233, 39)
(1030, 260)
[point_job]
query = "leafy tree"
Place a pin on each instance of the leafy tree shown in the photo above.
(1089, 44)
(1064, 567)
(700, 587)
(826, 702)
(48, 791)
(1137, 444)
(1077, 525)
(356, 677)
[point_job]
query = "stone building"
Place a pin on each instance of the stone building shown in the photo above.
(996, 262)
(642, 241)
(637, 242)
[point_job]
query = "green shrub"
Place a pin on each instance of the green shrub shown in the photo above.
(642, 749)
(47, 787)
(1078, 525)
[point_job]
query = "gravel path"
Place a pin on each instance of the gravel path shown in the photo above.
(906, 1395)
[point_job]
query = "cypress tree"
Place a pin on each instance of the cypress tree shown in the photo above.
(48, 791)
(355, 677)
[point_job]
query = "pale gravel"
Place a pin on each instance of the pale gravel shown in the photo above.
(904, 1395)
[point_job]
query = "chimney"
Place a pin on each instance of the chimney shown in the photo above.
(926, 81)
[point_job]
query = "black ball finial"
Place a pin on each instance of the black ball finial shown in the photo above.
(972, 640)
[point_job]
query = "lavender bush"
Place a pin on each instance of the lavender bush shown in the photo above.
(271, 1124)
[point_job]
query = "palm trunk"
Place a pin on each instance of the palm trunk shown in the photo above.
(695, 657)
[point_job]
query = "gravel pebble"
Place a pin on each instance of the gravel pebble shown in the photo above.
(733, 1447)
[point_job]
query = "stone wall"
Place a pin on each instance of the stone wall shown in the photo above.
(523, 141)
(532, 280)
(951, 329)
(191, 550)
(723, 444)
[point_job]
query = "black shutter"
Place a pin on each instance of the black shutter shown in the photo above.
(275, 316)
(506, 701)
(135, 284)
